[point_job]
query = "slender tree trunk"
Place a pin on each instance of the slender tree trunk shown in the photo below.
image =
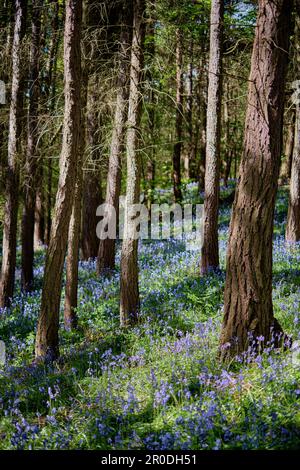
(189, 158)
(47, 345)
(248, 308)
(7, 19)
(44, 206)
(48, 218)
(106, 253)
(227, 149)
(210, 248)
(292, 233)
(31, 153)
(179, 118)
(286, 166)
(92, 196)
(130, 301)
(227, 167)
(72, 259)
(203, 121)
(39, 212)
(150, 166)
(12, 174)
(235, 165)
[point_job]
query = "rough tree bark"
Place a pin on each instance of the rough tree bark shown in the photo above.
(210, 248)
(31, 152)
(292, 233)
(106, 253)
(47, 345)
(129, 295)
(178, 120)
(13, 163)
(248, 305)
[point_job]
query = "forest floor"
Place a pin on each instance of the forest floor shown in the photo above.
(158, 385)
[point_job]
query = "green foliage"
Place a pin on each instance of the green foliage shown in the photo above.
(160, 384)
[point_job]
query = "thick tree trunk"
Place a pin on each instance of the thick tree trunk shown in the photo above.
(130, 301)
(248, 308)
(179, 118)
(292, 233)
(12, 174)
(47, 345)
(31, 153)
(106, 253)
(210, 248)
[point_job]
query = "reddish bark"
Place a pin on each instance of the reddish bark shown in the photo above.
(248, 305)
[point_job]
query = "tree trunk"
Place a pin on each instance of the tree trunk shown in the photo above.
(202, 105)
(92, 196)
(12, 174)
(248, 308)
(210, 248)
(179, 117)
(39, 212)
(189, 158)
(130, 301)
(72, 259)
(106, 253)
(292, 233)
(47, 345)
(150, 165)
(227, 143)
(31, 154)
(286, 166)
(7, 18)
(43, 207)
